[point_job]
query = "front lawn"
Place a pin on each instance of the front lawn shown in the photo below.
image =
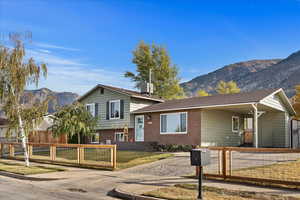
(125, 159)
(23, 170)
(280, 171)
(190, 192)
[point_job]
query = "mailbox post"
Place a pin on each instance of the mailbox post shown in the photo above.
(200, 158)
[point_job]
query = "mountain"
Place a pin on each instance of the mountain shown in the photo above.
(252, 75)
(57, 98)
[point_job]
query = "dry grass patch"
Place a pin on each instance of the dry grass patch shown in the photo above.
(126, 159)
(180, 193)
(280, 171)
(190, 192)
(23, 170)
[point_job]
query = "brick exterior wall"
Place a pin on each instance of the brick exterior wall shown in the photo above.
(109, 134)
(152, 129)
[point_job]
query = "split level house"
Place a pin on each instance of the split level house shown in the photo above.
(114, 107)
(260, 118)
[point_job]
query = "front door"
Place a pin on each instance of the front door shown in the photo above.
(139, 128)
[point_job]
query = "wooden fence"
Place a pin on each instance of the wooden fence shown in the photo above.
(279, 166)
(74, 154)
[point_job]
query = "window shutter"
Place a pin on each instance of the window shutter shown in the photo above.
(96, 109)
(121, 109)
(107, 110)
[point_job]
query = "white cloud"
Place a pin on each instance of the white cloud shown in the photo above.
(50, 58)
(52, 46)
(73, 76)
(44, 51)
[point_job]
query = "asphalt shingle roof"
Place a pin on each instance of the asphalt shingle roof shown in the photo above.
(198, 102)
(124, 91)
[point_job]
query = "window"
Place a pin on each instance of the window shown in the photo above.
(91, 108)
(119, 137)
(235, 124)
(173, 123)
(248, 123)
(95, 138)
(114, 109)
(101, 90)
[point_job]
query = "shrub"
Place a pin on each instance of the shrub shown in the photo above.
(172, 147)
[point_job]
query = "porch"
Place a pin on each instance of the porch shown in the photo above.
(256, 125)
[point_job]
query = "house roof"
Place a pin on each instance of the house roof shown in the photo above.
(210, 101)
(131, 93)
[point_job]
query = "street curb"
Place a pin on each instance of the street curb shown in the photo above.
(116, 192)
(24, 177)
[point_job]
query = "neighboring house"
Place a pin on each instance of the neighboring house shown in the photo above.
(40, 134)
(220, 120)
(113, 107)
(3, 132)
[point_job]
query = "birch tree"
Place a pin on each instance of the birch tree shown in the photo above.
(17, 72)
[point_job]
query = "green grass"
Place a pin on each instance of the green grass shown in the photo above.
(23, 170)
(125, 159)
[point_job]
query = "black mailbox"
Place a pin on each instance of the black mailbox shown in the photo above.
(200, 157)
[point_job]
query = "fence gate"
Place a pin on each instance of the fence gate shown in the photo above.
(295, 134)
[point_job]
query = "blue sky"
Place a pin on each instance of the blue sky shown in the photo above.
(85, 42)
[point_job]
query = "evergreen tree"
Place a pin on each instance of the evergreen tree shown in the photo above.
(165, 74)
(227, 87)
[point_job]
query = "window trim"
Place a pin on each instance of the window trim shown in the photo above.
(114, 101)
(238, 120)
(118, 133)
(174, 133)
(93, 106)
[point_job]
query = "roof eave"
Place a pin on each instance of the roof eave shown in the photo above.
(194, 107)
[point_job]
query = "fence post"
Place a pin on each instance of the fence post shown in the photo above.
(224, 163)
(78, 155)
(81, 155)
(230, 162)
(220, 161)
(52, 152)
(11, 150)
(29, 150)
(1, 150)
(114, 163)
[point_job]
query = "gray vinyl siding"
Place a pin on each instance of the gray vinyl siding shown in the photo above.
(216, 128)
(130, 104)
(273, 130)
(274, 101)
(101, 99)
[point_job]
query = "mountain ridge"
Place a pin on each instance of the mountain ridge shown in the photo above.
(251, 75)
(57, 99)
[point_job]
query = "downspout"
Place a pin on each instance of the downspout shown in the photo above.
(255, 125)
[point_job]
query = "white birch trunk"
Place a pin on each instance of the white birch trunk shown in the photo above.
(24, 140)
